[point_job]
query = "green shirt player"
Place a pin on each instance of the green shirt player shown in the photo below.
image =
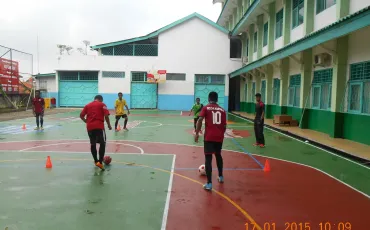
(197, 107)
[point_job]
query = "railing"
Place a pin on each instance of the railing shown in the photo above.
(131, 50)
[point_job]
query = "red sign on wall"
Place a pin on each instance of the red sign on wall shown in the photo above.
(9, 75)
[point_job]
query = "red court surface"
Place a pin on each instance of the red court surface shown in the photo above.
(289, 193)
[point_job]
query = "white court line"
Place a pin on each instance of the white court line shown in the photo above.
(179, 144)
(167, 205)
(308, 144)
(40, 146)
(83, 152)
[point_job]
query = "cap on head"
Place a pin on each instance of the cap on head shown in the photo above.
(213, 96)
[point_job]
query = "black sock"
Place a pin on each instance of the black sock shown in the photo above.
(94, 153)
(116, 124)
(220, 164)
(101, 152)
(208, 166)
(41, 121)
(125, 123)
(37, 121)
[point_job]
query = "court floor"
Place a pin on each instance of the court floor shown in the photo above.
(154, 183)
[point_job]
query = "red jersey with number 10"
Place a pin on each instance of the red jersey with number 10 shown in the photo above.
(215, 122)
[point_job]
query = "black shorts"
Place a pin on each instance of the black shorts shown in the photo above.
(97, 136)
(119, 116)
(212, 147)
(39, 114)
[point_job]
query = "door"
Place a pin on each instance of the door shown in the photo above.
(204, 84)
(76, 89)
(143, 95)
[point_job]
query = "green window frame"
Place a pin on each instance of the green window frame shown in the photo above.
(294, 90)
(213, 79)
(255, 40)
(297, 13)
(78, 76)
(321, 89)
(276, 92)
(246, 92)
(359, 88)
(263, 90)
(279, 24)
(138, 76)
(253, 91)
(265, 33)
(322, 5)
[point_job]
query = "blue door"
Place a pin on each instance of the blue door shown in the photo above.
(77, 93)
(143, 95)
(202, 91)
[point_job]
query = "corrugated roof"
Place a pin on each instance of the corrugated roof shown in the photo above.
(163, 29)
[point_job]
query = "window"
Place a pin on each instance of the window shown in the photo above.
(253, 90)
(175, 77)
(322, 5)
(43, 84)
(279, 24)
(255, 42)
(265, 33)
(78, 76)
(210, 79)
(297, 13)
(359, 88)
(276, 92)
(294, 90)
(263, 90)
(321, 89)
(246, 92)
(246, 47)
(138, 76)
(112, 74)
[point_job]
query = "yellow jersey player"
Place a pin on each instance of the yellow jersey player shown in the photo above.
(120, 105)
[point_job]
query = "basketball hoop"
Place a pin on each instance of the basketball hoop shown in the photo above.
(156, 76)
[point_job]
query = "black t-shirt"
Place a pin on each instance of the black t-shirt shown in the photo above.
(260, 108)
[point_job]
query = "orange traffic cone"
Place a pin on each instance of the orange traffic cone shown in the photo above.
(119, 127)
(48, 165)
(24, 126)
(267, 166)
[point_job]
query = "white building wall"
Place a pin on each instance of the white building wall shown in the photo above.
(50, 85)
(294, 67)
(356, 5)
(193, 47)
(326, 17)
(358, 47)
(278, 43)
(276, 73)
(125, 64)
(264, 51)
(187, 48)
(296, 33)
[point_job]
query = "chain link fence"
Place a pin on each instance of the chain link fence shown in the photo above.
(16, 82)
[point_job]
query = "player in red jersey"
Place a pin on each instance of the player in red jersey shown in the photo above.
(215, 127)
(95, 113)
(38, 105)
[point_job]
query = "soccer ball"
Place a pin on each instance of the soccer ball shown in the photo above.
(107, 160)
(202, 170)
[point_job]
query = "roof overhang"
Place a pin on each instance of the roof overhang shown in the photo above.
(335, 30)
(227, 10)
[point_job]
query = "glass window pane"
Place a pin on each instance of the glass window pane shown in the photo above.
(354, 103)
(366, 99)
(297, 96)
(315, 97)
(325, 96)
(291, 96)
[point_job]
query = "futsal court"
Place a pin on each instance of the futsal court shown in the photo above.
(153, 181)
